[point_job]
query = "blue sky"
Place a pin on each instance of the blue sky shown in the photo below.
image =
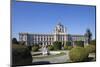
(42, 18)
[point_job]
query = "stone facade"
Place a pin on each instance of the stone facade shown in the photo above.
(59, 34)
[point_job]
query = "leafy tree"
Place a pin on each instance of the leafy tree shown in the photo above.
(21, 55)
(57, 45)
(89, 35)
(68, 43)
(51, 47)
(30, 48)
(22, 42)
(79, 43)
(69, 37)
(35, 47)
(14, 41)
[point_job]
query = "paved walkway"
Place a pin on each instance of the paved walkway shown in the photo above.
(54, 59)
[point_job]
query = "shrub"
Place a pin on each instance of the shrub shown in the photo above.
(79, 43)
(68, 47)
(90, 48)
(93, 42)
(30, 48)
(50, 47)
(65, 47)
(21, 42)
(78, 54)
(35, 48)
(21, 55)
(57, 45)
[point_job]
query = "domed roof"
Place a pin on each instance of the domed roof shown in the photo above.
(59, 24)
(59, 28)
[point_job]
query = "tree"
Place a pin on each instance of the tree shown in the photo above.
(22, 42)
(14, 41)
(51, 47)
(79, 43)
(68, 43)
(89, 35)
(69, 37)
(35, 47)
(21, 55)
(57, 45)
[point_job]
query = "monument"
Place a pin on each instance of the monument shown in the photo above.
(45, 50)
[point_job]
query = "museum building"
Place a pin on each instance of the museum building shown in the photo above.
(59, 34)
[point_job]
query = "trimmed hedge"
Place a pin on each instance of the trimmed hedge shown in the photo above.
(78, 54)
(90, 48)
(21, 55)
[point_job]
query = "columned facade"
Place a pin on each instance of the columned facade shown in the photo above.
(59, 34)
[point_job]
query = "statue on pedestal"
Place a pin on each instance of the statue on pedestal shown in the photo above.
(45, 50)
